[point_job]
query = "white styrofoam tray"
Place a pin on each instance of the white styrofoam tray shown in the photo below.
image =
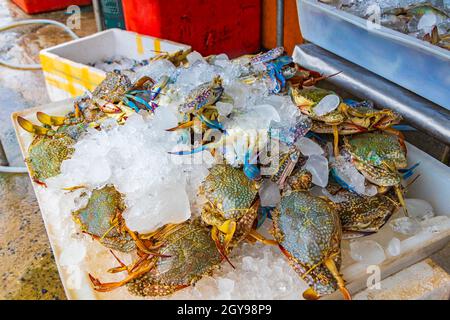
(432, 186)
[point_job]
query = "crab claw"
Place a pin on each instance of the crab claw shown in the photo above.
(183, 125)
(50, 120)
(228, 227)
(329, 263)
(310, 294)
(30, 127)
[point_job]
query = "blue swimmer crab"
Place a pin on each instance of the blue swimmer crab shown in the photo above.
(102, 219)
(186, 254)
(53, 140)
(379, 156)
(362, 215)
(347, 118)
(231, 208)
(308, 231)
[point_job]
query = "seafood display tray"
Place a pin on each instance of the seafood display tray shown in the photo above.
(432, 186)
(411, 63)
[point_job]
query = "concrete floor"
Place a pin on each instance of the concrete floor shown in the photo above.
(27, 267)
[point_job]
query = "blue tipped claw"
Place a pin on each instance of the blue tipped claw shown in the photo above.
(409, 171)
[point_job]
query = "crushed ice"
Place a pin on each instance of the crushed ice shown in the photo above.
(134, 157)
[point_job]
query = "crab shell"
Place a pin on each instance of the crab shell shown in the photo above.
(112, 88)
(204, 95)
(229, 190)
(306, 99)
(371, 119)
(344, 128)
(309, 231)
(230, 196)
(300, 179)
(190, 253)
(377, 149)
(362, 215)
(96, 219)
(46, 153)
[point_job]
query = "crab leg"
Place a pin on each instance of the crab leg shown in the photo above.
(140, 244)
(335, 140)
(104, 287)
(258, 237)
(220, 247)
(329, 263)
(50, 120)
(32, 128)
(122, 267)
(401, 199)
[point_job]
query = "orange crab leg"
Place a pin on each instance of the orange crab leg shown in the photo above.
(122, 267)
(313, 81)
(140, 244)
(78, 112)
(183, 125)
(104, 287)
(39, 182)
(329, 263)
(258, 237)
(335, 140)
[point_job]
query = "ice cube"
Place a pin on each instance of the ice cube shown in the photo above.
(156, 69)
(436, 224)
(222, 56)
(72, 253)
(368, 252)
(419, 209)
(225, 285)
(269, 194)
(194, 56)
(165, 118)
(405, 225)
(224, 108)
(308, 147)
(327, 104)
(318, 166)
(348, 173)
(167, 205)
(426, 22)
(394, 247)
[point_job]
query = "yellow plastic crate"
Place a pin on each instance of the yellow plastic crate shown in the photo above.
(65, 66)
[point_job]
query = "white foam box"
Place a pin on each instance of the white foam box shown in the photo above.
(432, 186)
(66, 66)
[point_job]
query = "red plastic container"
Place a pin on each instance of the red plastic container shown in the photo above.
(210, 27)
(38, 6)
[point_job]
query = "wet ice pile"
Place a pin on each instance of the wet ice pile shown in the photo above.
(161, 188)
(134, 158)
